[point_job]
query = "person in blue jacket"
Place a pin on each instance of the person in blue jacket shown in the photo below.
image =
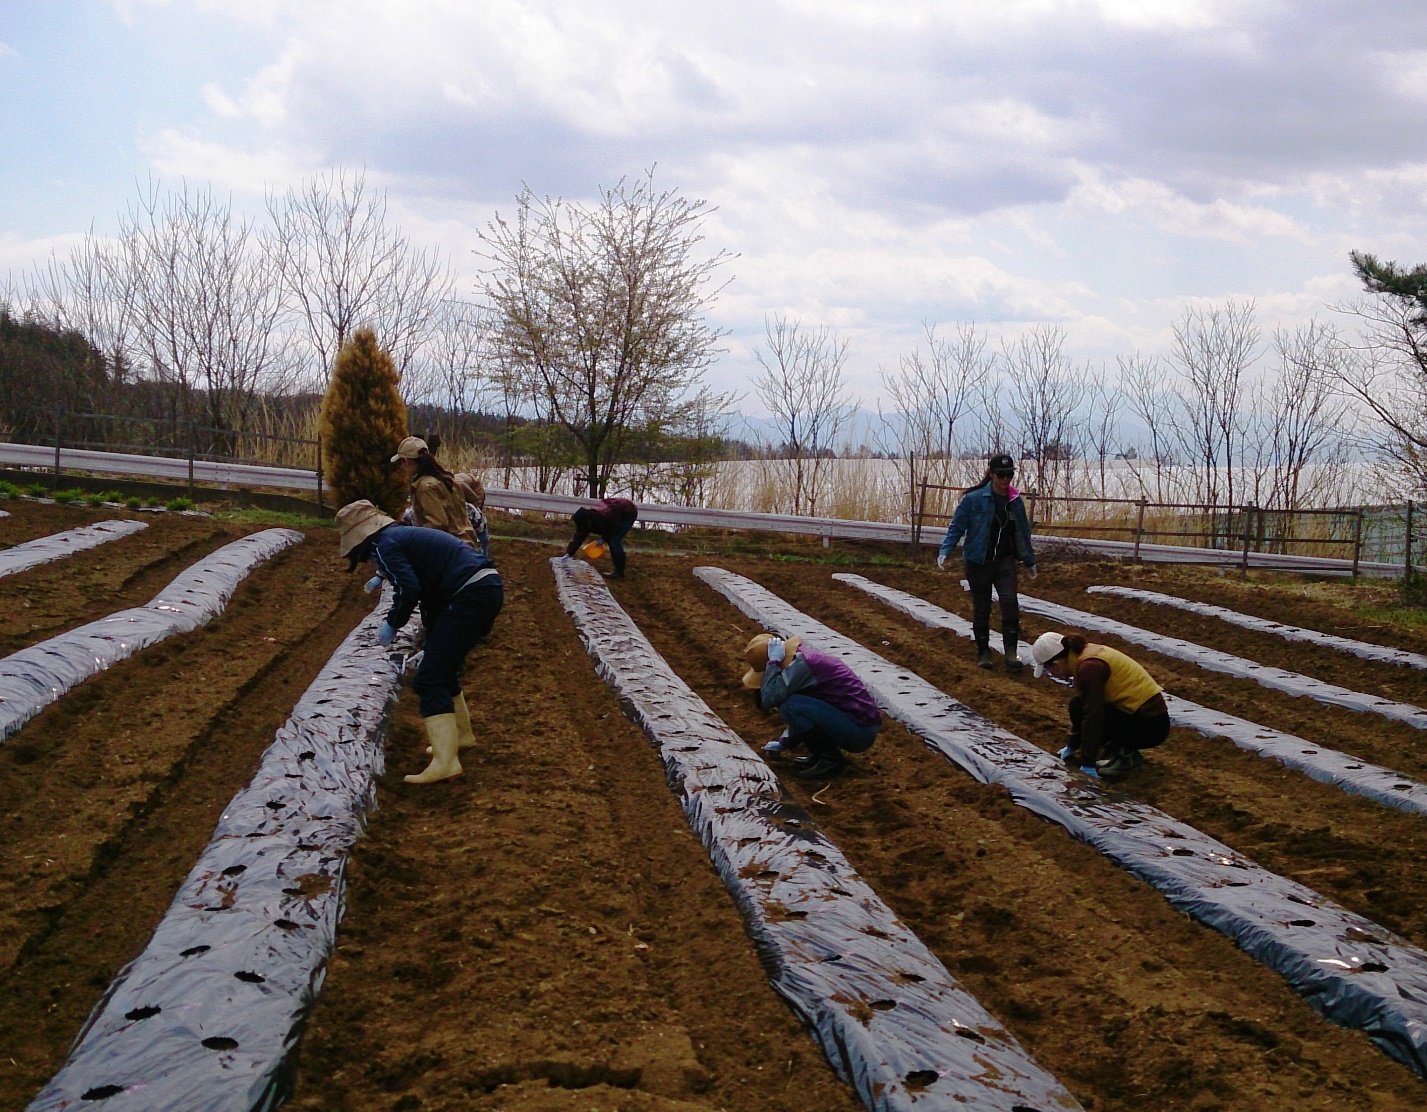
(460, 594)
(991, 516)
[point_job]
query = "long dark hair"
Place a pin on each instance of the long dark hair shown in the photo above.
(429, 465)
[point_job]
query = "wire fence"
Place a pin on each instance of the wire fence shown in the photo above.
(1381, 534)
(169, 437)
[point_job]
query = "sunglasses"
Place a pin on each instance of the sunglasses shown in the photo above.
(1004, 474)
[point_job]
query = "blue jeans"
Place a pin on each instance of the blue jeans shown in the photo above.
(451, 635)
(808, 718)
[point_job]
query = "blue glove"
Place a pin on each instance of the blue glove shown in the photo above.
(1065, 753)
(1090, 771)
(372, 584)
(386, 635)
(777, 651)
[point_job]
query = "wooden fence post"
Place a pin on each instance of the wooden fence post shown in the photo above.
(319, 472)
(917, 521)
(1407, 547)
(1248, 512)
(59, 438)
(1139, 530)
(192, 447)
(1357, 539)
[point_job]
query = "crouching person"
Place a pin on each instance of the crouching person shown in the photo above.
(459, 592)
(827, 710)
(1116, 708)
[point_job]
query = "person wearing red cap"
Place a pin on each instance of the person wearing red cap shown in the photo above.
(991, 516)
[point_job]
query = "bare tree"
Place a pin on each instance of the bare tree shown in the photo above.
(451, 375)
(1103, 404)
(1306, 419)
(1142, 385)
(206, 302)
(1045, 392)
(934, 393)
(91, 291)
(1214, 349)
(803, 386)
(342, 266)
(602, 310)
(1387, 376)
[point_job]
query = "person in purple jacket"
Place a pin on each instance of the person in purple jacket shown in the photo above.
(827, 710)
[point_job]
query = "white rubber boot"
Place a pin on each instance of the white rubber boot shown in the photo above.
(465, 736)
(442, 732)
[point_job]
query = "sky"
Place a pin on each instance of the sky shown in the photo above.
(1100, 165)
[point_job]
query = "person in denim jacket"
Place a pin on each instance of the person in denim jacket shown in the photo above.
(991, 517)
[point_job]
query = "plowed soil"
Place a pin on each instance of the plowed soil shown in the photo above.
(545, 933)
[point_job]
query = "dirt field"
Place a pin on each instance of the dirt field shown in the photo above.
(544, 932)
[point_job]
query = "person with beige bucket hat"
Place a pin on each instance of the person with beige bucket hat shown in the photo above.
(460, 593)
(827, 710)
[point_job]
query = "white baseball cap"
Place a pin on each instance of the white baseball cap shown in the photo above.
(1048, 646)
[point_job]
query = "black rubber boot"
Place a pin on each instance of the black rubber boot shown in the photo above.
(1010, 641)
(983, 656)
(824, 759)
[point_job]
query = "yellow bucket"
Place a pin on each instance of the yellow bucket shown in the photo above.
(594, 549)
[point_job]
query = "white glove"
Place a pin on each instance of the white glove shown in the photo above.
(1032, 572)
(777, 651)
(941, 559)
(372, 584)
(1065, 753)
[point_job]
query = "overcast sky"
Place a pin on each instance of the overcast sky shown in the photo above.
(1097, 164)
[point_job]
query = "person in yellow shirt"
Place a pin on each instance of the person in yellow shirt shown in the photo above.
(1115, 705)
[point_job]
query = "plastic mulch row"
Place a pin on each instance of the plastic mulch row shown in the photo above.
(1328, 766)
(36, 676)
(209, 1016)
(1350, 969)
(42, 550)
(890, 1018)
(1277, 679)
(1365, 649)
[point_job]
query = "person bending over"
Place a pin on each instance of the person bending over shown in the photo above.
(460, 594)
(992, 518)
(1116, 708)
(470, 487)
(610, 518)
(827, 710)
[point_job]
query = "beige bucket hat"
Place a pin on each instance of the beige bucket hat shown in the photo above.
(356, 521)
(409, 448)
(757, 656)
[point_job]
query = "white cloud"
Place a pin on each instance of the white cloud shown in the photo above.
(176, 154)
(1176, 215)
(1098, 163)
(6, 50)
(19, 254)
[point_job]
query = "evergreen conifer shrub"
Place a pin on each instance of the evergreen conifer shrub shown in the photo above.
(363, 420)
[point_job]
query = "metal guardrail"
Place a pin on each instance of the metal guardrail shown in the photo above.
(828, 528)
